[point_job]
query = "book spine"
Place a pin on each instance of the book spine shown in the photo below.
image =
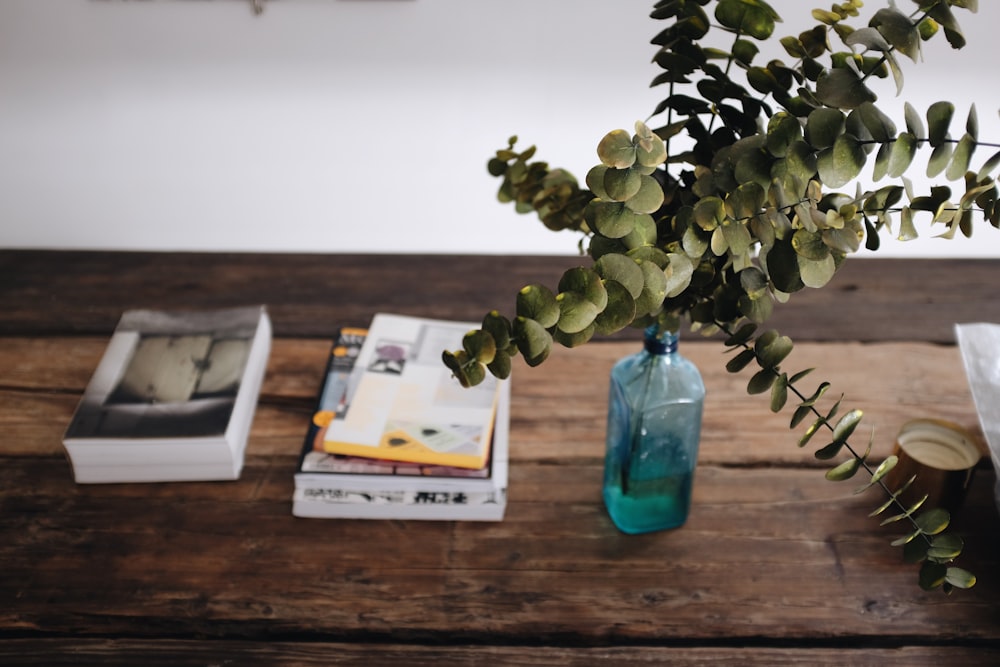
(339, 496)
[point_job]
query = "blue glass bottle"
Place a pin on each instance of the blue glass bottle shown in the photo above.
(654, 426)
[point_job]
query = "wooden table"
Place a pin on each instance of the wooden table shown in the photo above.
(775, 566)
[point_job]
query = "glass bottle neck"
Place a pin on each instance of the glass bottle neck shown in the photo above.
(658, 342)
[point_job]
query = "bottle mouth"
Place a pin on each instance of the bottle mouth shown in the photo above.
(658, 341)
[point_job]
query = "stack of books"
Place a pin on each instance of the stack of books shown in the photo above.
(173, 397)
(394, 436)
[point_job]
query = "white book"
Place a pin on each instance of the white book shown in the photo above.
(172, 398)
(331, 485)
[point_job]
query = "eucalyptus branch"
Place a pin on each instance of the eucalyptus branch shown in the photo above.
(769, 349)
(750, 214)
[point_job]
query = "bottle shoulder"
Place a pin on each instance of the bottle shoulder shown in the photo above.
(669, 375)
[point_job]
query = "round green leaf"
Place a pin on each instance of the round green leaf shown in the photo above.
(619, 312)
(533, 340)
(621, 184)
(654, 289)
(649, 197)
(576, 312)
(747, 17)
(538, 303)
(467, 373)
(932, 575)
(843, 88)
(823, 126)
(815, 273)
(586, 283)
(480, 346)
(783, 130)
(841, 164)
(500, 367)
(574, 339)
(933, 521)
(610, 218)
(595, 181)
(616, 150)
(498, 326)
(621, 269)
(771, 348)
(678, 272)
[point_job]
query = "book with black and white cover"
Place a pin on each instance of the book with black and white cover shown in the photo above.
(331, 485)
(172, 398)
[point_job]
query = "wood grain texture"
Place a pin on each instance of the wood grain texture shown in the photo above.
(174, 653)
(775, 566)
(45, 292)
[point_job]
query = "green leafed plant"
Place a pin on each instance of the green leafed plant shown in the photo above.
(756, 205)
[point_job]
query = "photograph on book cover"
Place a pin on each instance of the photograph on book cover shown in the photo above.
(332, 404)
(168, 375)
(403, 405)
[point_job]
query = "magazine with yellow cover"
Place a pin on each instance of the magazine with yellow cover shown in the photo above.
(402, 403)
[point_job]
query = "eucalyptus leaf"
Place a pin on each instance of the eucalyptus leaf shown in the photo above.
(829, 451)
(538, 303)
(740, 361)
(779, 393)
(933, 521)
(761, 381)
(619, 312)
(586, 283)
(747, 17)
(480, 346)
(678, 272)
(817, 273)
(648, 198)
(961, 158)
(621, 184)
(623, 270)
(610, 218)
(576, 312)
(845, 427)
(533, 340)
(844, 471)
(843, 88)
(945, 547)
(898, 30)
(932, 575)
(939, 117)
(960, 578)
(771, 348)
(501, 366)
(616, 150)
(654, 289)
(823, 127)
(841, 164)
(742, 335)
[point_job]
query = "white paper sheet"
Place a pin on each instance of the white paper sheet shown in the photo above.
(980, 347)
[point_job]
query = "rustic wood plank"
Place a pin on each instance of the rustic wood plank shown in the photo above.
(81, 292)
(767, 553)
(551, 419)
(57, 652)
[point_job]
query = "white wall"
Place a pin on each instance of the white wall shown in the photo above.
(335, 125)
